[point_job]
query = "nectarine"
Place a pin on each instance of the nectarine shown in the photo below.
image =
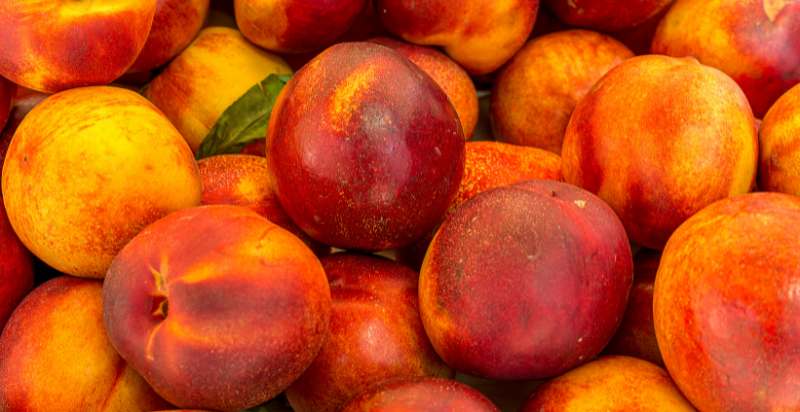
(16, 272)
(421, 395)
(175, 25)
(779, 141)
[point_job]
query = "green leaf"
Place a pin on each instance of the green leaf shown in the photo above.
(245, 120)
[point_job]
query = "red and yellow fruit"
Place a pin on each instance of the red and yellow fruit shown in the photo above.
(453, 80)
(421, 395)
(295, 26)
(480, 35)
(16, 272)
(206, 78)
(779, 144)
(636, 335)
(366, 150)
(54, 45)
(508, 269)
(375, 334)
(606, 15)
(725, 305)
(54, 355)
(536, 92)
(87, 169)
(217, 307)
(243, 180)
(175, 24)
(753, 41)
(610, 383)
(658, 139)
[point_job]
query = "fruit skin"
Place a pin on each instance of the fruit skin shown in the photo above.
(87, 169)
(489, 165)
(53, 45)
(243, 180)
(489, 298)
(479, 35)
(617, 383)
(16, 270)
(356, 156)
(54, 354)
(779, 140)
(421, 395)
(636, 335)
(725, 305)
(536, 92)
(6, 93)
(206, 78)
(175, 25)
(658, 139)
(753, 41)
(375, 334)
(255, 293)
(606, 15)
(294, 26)
(453, 80)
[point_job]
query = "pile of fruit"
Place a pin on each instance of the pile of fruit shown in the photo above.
(400, 205)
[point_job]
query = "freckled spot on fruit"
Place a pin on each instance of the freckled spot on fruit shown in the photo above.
(347, 95)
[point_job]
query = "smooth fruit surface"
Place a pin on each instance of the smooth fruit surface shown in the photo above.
(175, 25)
(610, 383)
(658, 139)
(365, 149)
(779, 144)
(726, 307)
(87, 169)
(606, 15)
(508, 269)
(753, 41)
(375, 334)
(54, 355)
(538, 90)
(54, 45)
(217, 307)
(16, 271)
(421, 395)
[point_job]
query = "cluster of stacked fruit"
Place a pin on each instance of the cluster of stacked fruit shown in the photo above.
(186, 222)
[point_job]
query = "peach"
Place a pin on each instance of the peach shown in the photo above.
(6, 93)
(535, 94)
(636, 335)
(610, 383)
(375, 334)
(87, 169)
(479, 35)
(296, 25)
(508, 269)
(726, 308)
(453, 80)
(753, 41)
(421, 395)
(366, 150)
(175, 25)
(243, 180)
(53, 45)
(16, 271)
(54, 355)
(606, 15)
(224, 320)
(779, 140)
(658, 139)
(206, 78)
(489, 165)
